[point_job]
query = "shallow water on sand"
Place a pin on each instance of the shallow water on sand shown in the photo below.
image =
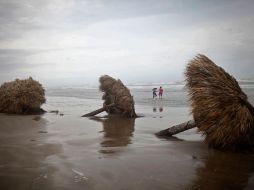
(67, 151)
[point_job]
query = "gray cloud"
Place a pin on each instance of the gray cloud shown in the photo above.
(11, 60)
(17, 17)
(137, 40)
(14, 63)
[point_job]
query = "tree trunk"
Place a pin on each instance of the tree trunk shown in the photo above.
(93, 113)
(177, 129)
(104, 108)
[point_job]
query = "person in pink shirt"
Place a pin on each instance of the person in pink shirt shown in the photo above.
(160, 92)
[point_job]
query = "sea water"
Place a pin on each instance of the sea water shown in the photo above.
(67, 151)
(72, 100)
(126, 154)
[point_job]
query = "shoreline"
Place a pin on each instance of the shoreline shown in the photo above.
(63, 150)
(72, 152)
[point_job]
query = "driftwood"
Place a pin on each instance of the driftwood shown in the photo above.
(177, 129)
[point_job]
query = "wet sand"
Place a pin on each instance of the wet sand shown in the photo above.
(71, 152)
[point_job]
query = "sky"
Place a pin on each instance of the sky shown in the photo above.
(74, 42)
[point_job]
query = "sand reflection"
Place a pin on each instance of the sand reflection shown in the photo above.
(160, 109)
(24, 149)
(117, 132)
(224, 170)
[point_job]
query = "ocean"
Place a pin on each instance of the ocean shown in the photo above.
(68, 99)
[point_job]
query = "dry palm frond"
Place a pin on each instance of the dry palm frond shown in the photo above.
(21, 96)
(115, 92)
(220, 109)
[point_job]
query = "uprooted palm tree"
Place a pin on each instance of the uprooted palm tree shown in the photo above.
(21, 97)
(117, 98)
(220, 109)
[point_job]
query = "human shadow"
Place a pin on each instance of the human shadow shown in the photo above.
(224, 170)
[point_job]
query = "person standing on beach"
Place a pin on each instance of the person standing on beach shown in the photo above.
(160, 92)
(154, 93)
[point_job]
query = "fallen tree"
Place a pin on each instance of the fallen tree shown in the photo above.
(22, 97)
(220, 108)
(117, 98)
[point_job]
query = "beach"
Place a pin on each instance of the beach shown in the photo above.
(66, 151)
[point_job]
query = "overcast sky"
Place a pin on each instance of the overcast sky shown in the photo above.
(73, 42)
